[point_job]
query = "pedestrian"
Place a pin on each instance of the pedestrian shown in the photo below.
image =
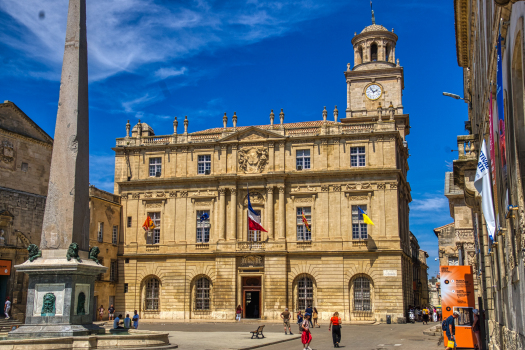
(310, 311)
(450, 329)
(335, 325)
(425, 315)
(7, 307)
(111, 312)
(300, 320)
(238, 313)
(127, 322)
(306, 337)
(101, 312)
(435, 315)
(315, 315)
(475, 328)
(285, 315)
(116, 322)
(136, 320)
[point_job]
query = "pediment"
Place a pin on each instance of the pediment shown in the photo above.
(13, 119)
(252, 133)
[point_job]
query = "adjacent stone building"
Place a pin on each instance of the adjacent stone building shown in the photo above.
(201, 261)
(25, 158)
(104, 233)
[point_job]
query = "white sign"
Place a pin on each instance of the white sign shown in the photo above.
(390, 273)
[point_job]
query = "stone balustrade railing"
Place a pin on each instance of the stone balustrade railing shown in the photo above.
(467, 147)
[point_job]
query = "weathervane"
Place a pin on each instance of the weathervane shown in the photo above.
(373, 16)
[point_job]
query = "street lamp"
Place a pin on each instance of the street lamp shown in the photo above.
(457, 97)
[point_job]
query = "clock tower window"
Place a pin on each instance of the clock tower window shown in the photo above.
(373, 52)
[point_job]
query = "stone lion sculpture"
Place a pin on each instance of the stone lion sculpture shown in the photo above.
(34, 252)
(72, 252)
(93, 254)
(48, 306)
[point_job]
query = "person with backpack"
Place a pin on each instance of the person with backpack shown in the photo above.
(449, 327)
(306, 337)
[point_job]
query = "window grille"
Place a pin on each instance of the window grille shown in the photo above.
(302, 232)
(204, 164)
(125, 287)
(100, 236)
(362, 300)
(202, 294)
(129, 221)
(155, 166)
(302, 159)
(113, 271)
(154, 236)
(359, 228)
(305, 293)
(203, 226)
(255, 236)
(114, 236)
(152, 294)
(357, 156)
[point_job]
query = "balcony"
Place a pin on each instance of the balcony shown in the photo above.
(467, 161)
(251, 246)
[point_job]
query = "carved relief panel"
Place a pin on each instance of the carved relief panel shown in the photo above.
(253, 160)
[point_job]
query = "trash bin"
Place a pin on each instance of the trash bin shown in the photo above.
(388, 319)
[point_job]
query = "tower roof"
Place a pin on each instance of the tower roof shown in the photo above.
(374, 28)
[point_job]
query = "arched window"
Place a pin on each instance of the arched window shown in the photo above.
(360, 55)
(362, 294)
(305, 293)
(373, 52)
(387, 53)
(202, 294)
(152, 294)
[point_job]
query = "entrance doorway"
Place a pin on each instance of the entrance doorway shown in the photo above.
(251, 292)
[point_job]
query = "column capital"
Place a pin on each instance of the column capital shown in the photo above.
(222, 191)
(233, 191)
(269, 190)
(281, 189)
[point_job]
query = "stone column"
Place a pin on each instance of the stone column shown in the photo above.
(222, 214)
(232, 233)
(271, 155)
(269, 210)
(282, 213)
(348, 100)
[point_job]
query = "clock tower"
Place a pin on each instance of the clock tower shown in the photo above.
(376, 80)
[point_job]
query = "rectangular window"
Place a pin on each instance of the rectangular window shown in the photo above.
(255, 236)
(155, 167)
(203, 226)
(204, 164)
(113, 271)
(154, 235)
(303, 234)
(100, 235)
(114, 235)
(357, 156)
(359, 228)
(302, 159)
(125, 287)
(129, 221)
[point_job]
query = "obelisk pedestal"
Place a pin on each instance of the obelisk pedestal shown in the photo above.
(61, 281)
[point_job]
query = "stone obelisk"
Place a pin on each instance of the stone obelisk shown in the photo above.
(61, 281)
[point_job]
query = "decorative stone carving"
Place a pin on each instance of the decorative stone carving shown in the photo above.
(393, 186)
(173, 194)
(252, 260)
(48, 306)
(148, 194)
(34, 252)
(81, 310)
(310, 189)
(93, 254)
(324, 188)
(351, 187)
(8, 152)
(154, 205)
(161, 194)
(281, 189)
(253, 136)
(135, 196)
(255, 197)
(222, 191)
(184, 194)
(381, 186)
(465, 234)
(269, 190)
(72, 252)
(358, 198)
(366, 186)
(296, 189)
(337, 188)
(253, 160)
(304, 200)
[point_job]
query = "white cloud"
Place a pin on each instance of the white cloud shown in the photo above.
(164, 73)
(102, 172)
(430, 204)
(125, 35)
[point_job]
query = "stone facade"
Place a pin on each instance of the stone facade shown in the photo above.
(25, 159)
(201, 261)
(105, 233)
(501, 262)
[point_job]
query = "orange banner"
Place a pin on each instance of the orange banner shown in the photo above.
(5, 267)
(457, 294)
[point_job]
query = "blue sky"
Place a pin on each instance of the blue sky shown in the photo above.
(156, 59)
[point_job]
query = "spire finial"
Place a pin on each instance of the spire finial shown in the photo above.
(373, 16)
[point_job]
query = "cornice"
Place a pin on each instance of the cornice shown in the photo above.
(26, 138)
(13, 106)
(461, 15)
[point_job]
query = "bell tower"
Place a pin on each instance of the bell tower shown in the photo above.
(376, 80)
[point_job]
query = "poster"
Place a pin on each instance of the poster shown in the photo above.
(501, 120)
(457, 294)
(5, 267)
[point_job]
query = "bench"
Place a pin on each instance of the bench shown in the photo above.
(258, 332)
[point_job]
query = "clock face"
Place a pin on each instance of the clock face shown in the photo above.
(373, 92)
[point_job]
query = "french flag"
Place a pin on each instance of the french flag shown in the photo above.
(254, 220)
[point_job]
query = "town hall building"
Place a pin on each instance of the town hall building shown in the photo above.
(307, 181)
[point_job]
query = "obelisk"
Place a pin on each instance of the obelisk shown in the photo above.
(61, 281)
